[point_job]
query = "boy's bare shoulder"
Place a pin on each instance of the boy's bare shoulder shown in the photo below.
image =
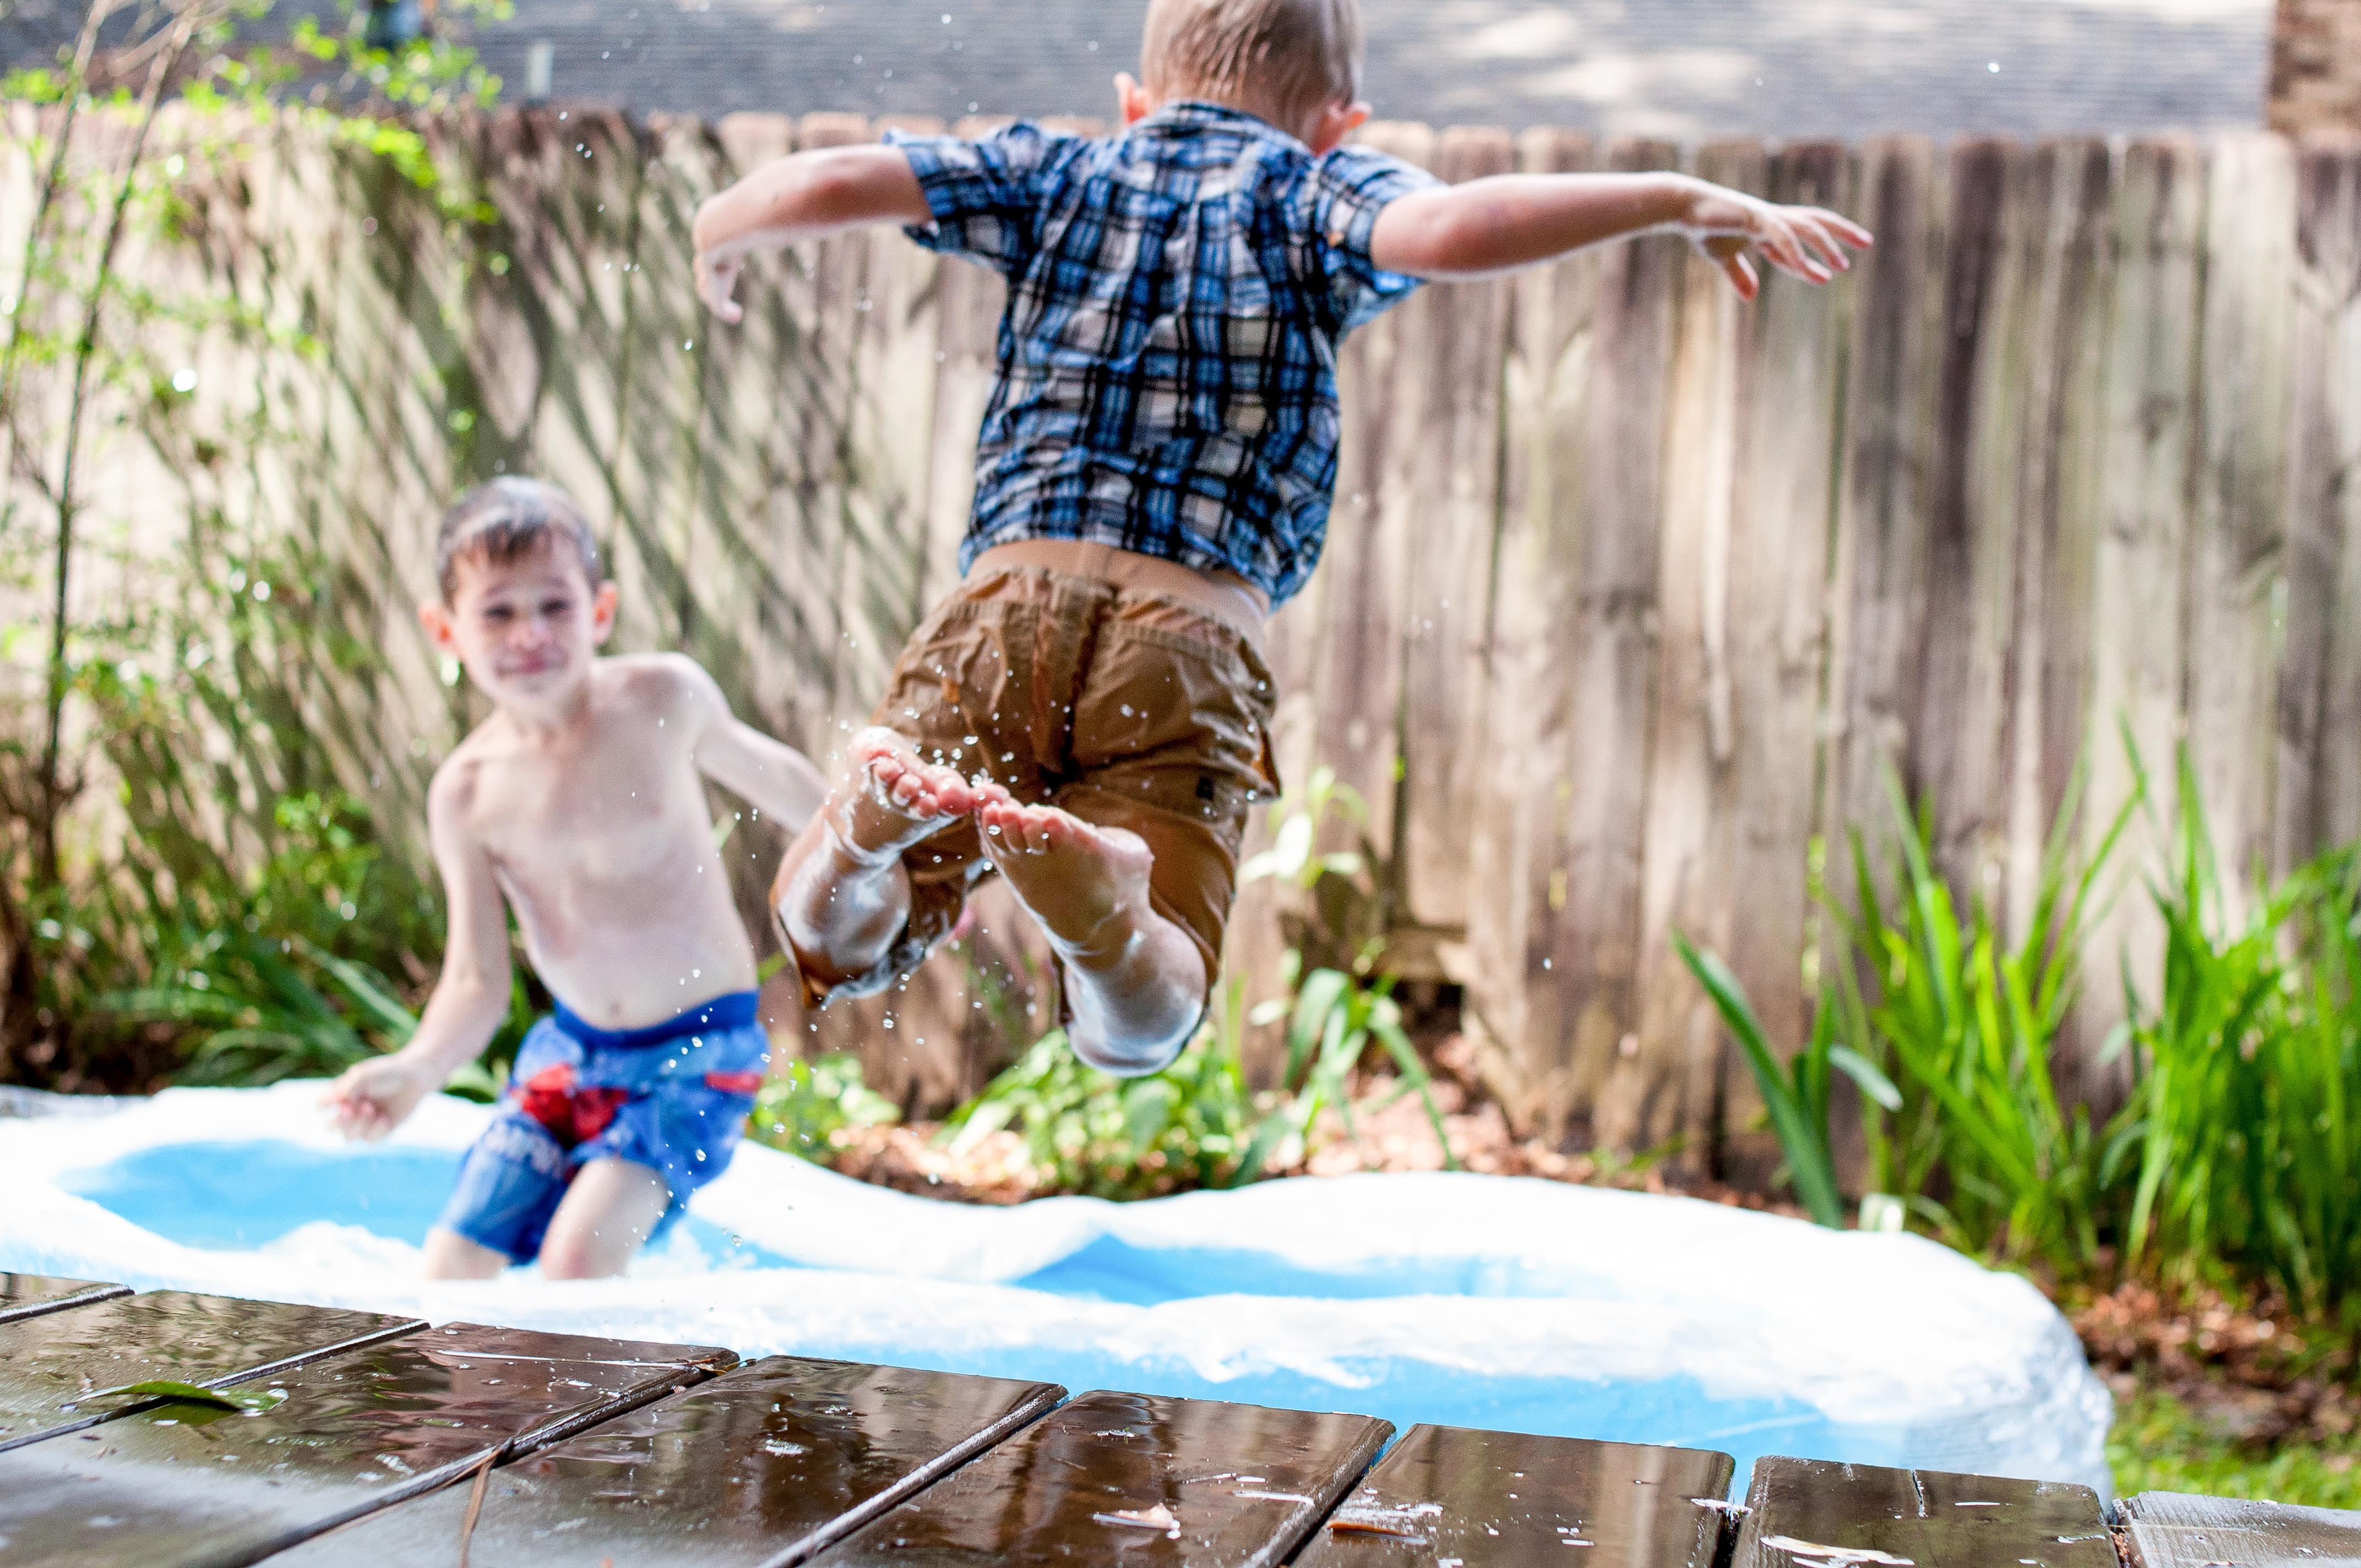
(663, 684)
(459, 781)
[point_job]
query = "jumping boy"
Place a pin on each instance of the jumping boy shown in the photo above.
(1088, 713)
(580, 801)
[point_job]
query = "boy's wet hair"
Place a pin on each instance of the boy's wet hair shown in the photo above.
(507, 520)
(1283, 59)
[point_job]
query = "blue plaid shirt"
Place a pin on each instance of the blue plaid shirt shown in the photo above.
(1168, 358)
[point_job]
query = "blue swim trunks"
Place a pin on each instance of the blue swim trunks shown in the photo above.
(673, 1097)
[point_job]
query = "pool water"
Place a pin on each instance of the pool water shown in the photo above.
(1463, 1300)
(236, 1197)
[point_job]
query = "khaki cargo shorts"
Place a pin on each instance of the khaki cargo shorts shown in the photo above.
(1128, 709)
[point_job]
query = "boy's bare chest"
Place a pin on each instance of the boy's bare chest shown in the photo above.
(612, 814)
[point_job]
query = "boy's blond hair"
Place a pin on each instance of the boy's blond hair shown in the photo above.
(508, 520)
(1283, 59)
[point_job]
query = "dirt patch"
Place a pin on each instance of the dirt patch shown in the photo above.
(2244, 1373)
(1386, 1130)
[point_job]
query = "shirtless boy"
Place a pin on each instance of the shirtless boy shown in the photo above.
(1088, 712)
(580, 801)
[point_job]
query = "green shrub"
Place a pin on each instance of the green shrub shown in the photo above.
(1333, 1020)
(1796, 1096)
(1967, 1023)
(205, 683)
(1948, 1030)
(1196, 1124)
(2235, 1161)
(2249, 1067)
(805, 1102)
(1087, 1132)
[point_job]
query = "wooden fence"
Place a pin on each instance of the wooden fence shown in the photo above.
(1634, 593)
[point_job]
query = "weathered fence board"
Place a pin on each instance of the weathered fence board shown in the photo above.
(2319, 763)
(2134, 718)
(1777, 596)
(1453, 497)
(2237, 568)
(1884, 511)
(1632, 592)
(1666, 1074)
(1573, 655)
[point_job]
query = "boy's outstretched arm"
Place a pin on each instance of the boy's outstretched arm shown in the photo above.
(1507, 221)
(772, 778)
(471, 996)
(803, 196)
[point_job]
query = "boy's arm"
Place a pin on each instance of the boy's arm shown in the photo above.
(772, 778)
(471, 996)
(1508, 221)
(803, 196)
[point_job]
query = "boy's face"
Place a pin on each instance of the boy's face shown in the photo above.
(526, 629)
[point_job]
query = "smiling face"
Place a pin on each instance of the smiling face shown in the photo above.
(526, 627)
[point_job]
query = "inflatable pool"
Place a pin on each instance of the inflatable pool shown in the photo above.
(1467, 1300)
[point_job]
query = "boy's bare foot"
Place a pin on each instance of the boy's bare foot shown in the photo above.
(892, 798)
(1136, 981)
(1087, 886)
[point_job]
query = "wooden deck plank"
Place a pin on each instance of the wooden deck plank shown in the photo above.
(31, 1295)
(1806, 1511)
(1137, 1478)
(1509, 1500)
(486, 1339)
(54, 1367)
(763, 1467)
(2177, 1529)
(181, 1484)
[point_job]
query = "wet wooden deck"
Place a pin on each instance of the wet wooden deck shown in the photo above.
(359, 1439)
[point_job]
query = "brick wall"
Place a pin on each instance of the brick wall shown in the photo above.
(2316, 66)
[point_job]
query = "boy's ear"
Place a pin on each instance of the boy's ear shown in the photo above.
(435, 616)
(602, 613)
(1335, 122)
(1133, 101)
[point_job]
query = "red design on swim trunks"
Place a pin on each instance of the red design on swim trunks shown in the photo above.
(734, 1082)
(572, 1115)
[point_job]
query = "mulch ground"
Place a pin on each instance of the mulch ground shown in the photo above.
(1385, 1133)
(2244, 1372)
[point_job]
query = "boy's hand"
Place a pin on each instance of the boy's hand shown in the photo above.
(374, 1097)
(717, 280)
(1808, 242)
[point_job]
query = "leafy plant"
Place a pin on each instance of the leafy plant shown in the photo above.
(217, 1398)
(2305, 1173)
(1087, 1132)
(1981, 1144)
(804, 1102)
(1333, 1020)
(1346, 895)
(1795, 1095)
(203, 691)
(1947, 1029)
(258, 1014)
(2249, 1067)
